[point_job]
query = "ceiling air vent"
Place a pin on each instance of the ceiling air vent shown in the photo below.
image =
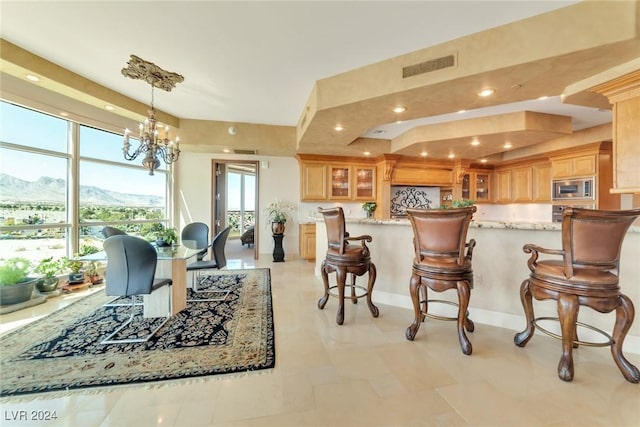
(237, 151)
(428, 66)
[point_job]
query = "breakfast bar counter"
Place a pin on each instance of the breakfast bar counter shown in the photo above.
(499, 266)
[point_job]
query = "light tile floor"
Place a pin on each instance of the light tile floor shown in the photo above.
(364, 373)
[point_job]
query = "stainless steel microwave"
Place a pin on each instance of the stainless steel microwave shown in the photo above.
(575, 189)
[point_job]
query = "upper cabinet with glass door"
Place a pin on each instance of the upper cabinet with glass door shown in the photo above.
(340, 182)
(364, 178)
(475, 186)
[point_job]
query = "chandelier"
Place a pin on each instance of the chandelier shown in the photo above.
(153, 145)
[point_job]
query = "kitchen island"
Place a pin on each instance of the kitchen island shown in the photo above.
(499, 266)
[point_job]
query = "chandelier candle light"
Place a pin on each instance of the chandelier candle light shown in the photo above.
(151, 143)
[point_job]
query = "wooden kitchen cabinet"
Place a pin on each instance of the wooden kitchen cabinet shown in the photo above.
(364, 183)
(313, 181)
(541, 185)
(476, 186)
(307, 243)
(340, 177)
(325, 178)
(574, 167)
(521, 190)
(503, 186)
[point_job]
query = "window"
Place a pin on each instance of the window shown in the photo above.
(38, 207)
(240, 199)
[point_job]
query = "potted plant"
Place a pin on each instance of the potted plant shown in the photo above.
(278, 213)
(15, 285)
(166, 237)
(461, 203)
(76, 275)
(49, 268)
(92, 269)
(369, 208)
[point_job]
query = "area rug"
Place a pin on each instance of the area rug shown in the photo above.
(62, 351)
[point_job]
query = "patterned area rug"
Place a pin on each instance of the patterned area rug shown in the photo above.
(62, 351)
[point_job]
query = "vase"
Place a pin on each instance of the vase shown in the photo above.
(277, 227)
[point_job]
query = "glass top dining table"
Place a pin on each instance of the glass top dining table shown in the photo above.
(164, 253)
(172, 262)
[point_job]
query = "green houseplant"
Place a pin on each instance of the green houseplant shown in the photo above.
(369, 208)
(15, 285)
(166, 236)
(76, 275)
(49, 268)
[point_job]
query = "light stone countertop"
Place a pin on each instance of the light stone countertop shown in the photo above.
(505, 225)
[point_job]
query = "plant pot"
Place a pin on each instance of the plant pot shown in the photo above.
(76, 277)
(47, 284)
(277, 227)
(161, 243)
(20, 292)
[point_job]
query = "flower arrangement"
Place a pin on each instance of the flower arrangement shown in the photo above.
(279, 211)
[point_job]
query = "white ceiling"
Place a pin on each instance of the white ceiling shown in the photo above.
(257, 62)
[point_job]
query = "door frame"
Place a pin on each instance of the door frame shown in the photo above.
(214, 200)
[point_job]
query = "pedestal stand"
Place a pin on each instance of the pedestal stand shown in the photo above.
(278, 251)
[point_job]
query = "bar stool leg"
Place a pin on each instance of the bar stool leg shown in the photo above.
(414, 291)
(568, 314)
(522, 338)
(624, 318)
(372, 279)
(464, 293)
(341, 278)
(325, 279)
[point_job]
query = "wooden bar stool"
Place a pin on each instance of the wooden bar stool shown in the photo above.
(586, 274)
(440, 263)
(343, 258)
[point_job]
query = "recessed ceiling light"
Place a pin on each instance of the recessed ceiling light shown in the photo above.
(226, 150)
(109, 107)
(64, 114)
(367, 153)
(462, 111)
(483, 160)
(399, 109)
(543, 97)
(33, 78)
(451, 156)
(475, 142)
(486, 92)
(507, 145)
(424, 154)
(338, 128)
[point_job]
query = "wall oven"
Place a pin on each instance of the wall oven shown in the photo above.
(574, 189)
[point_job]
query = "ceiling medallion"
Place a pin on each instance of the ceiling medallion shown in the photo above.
(139, 69)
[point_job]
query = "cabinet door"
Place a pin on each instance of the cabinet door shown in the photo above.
(364, 179)
(541, 183)
(307, 241)
(340, 182)
(481, 187)
(561, 168)
(466, 186)
(584, 165)
(503, 186)
(313, 183)
(521, 190)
